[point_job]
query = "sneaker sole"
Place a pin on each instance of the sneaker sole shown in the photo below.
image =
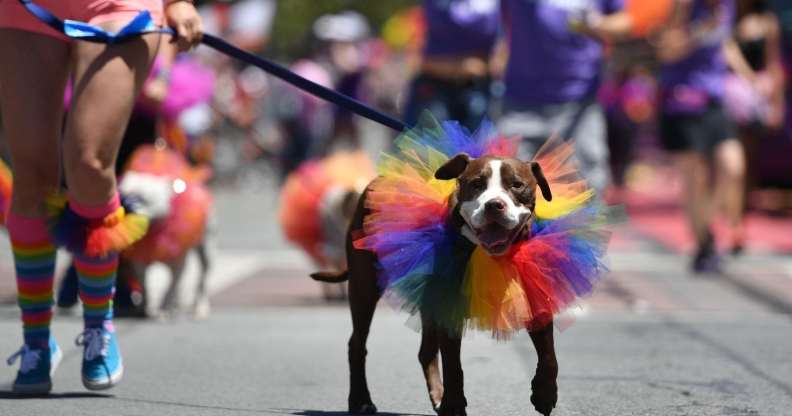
(104, 384)
(40, 388)
(32, 389)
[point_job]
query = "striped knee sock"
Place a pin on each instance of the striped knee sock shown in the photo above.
(96, 274)
(34, 259)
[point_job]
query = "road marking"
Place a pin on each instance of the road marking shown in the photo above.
(227, 268)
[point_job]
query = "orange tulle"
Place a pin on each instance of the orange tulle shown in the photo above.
(95, 238)
(649, 16)
(184, 226)
(6, 180)
(305, 189)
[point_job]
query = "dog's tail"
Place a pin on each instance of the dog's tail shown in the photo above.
(331, 277)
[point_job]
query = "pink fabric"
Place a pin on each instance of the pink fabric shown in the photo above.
(191, 83)
(744, 102)
(14, 16)
(96, 211)
(24, 230)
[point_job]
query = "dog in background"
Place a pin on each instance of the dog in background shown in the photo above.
(160, 184)
(317, 203)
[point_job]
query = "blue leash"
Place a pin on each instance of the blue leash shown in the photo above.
(143, 24)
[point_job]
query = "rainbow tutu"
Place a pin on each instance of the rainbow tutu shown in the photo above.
(427, 268)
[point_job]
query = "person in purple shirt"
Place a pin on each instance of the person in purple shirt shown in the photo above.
(694, 126)
(453, 81)
(553, 73)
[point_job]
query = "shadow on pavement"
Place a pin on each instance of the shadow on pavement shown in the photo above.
(305, 412)
(7, 394)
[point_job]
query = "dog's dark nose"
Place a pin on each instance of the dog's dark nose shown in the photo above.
(495, 205)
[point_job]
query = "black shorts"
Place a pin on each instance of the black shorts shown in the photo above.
(700, 133)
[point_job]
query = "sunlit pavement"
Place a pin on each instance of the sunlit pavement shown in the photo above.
(653, 340)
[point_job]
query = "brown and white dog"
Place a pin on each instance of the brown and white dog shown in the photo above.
(493, 207)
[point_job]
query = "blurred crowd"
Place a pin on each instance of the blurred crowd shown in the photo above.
(699, 86)
(695, 86)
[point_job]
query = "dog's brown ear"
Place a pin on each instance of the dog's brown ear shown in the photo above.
(453, 168)
(541, 181)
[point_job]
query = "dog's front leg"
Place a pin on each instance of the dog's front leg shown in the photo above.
(544, 388)
(201, 303)
(454, 402)
(429, 358)
(170, 303)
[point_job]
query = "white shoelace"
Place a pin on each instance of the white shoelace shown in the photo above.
(94, 341)
(30, 358)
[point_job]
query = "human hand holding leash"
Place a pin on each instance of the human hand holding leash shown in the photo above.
(182, 16)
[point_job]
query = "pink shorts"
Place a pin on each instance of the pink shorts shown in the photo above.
(13, 15)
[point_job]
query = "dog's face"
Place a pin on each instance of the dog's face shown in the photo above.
(495, 197)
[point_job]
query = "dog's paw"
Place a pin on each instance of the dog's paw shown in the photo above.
(451, 410)
(366, 408)
(452, 405)
(436, 398)
(544, 393)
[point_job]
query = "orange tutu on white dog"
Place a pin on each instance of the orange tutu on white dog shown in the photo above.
(174, 195)
(307, 202)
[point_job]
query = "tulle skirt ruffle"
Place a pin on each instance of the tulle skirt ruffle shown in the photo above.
(94, 238)
(6, 185)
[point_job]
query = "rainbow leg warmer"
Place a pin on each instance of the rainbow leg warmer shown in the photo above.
(96, 272)
(95, 235)
(34, 259)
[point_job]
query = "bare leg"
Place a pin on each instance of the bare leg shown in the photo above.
(454, 402)
(544, 388)
(33, 74)
(730, 173)
(32, 80)
(107, 79)
(697, 194)
(429, 357)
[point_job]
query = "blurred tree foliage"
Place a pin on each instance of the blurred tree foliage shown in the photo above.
(294, 19)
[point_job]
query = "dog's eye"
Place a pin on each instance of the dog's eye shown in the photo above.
(478, 183)
(517, 185)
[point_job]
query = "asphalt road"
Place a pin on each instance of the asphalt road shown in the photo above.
(652, 341)
(291, 361)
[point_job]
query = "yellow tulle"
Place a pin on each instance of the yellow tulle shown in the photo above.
(418, 163)
(497, 299)
(561, 205)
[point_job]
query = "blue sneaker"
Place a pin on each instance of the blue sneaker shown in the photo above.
(101, 367)
(36, 368)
